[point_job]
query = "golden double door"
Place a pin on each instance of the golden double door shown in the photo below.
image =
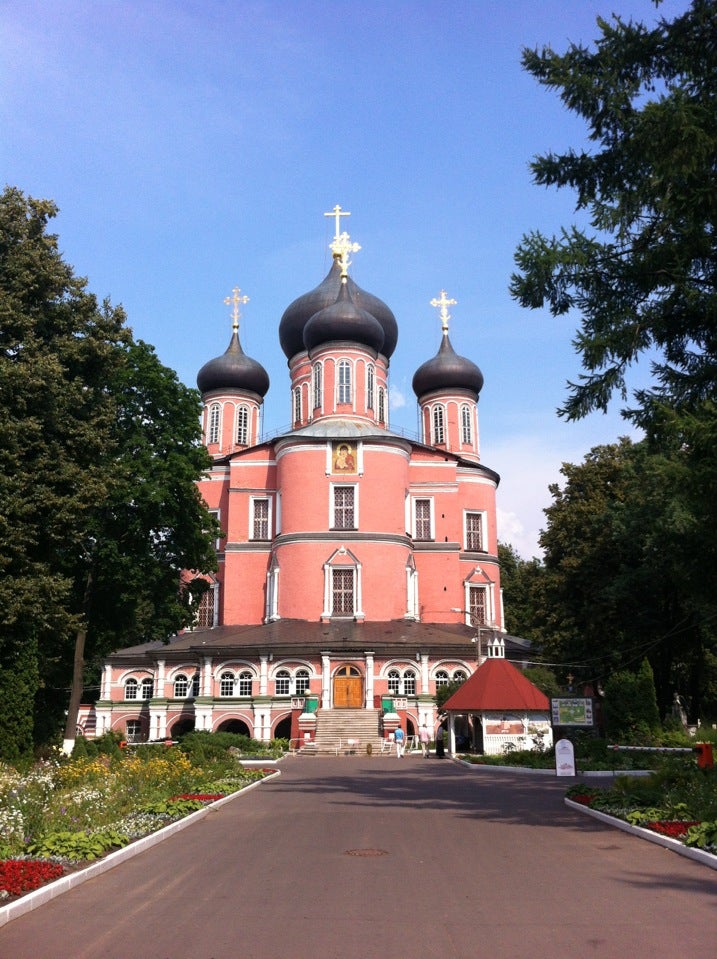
(348, 688)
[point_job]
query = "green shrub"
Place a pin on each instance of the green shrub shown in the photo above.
(77, 846)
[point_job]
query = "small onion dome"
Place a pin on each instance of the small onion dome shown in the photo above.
(343, 320)
(447, 371)
(298, 313)
(234, 370)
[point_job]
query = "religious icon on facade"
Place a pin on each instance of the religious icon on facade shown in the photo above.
(344, 457)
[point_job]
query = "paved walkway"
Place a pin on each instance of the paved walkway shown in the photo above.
(360, 858)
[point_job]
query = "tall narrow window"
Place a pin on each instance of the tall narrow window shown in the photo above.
(382, 406)
(214, 418)
(370, 381)
(245, 683)
(342, 592)
(147, 689)
(242, 426)
(302, 681)
(344, 512)
(409, 683)
(344, 382)
(394, 682)
(195, 685)
(130, 689)
(181, 687)
(283, 682)
(477, 605)
(438, 428)
(205, 615)
(226, 684)
(297, 404)
(317, 385)
(422, 519)
(260, 521)
(474, 532)
(466, 431)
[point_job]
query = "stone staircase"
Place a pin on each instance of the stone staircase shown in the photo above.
(334, 727)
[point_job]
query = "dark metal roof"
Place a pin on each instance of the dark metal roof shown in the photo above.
(343, 320)
(447, 370)
(233, 370)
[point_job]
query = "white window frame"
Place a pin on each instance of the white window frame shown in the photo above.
(253, 500)
(133, 730)
(382, 405)
(332, 505)
(431, 519)
(438, 425)
(472, 617)
(297, 404)
(241, 425)
(217, 516)
(146, 689)
(208, 607)
(483, 530)
(284, 676)
(317, 385)
(131, 684)
(244, 679)
(225, 678)
(466, 425)
(181, 686)
(214, 422)
(370, 385)
(344, 383)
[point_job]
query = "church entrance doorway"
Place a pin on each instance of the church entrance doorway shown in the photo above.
(348, 688)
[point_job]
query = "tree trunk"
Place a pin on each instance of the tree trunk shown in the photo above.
(78, 675)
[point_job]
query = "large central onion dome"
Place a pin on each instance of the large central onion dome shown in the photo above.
(447, 371)
(298, 313)
(233, 370)
(343, 320)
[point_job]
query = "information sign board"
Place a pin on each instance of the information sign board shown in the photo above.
(572, 711)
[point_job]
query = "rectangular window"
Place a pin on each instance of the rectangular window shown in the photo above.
(344, 382)
(260, 519)
(342, 592)
(381, 406)
(134, 730)
(344, 507)
(422, 519)
(474, 532)
(245, 682)
(317, 386)
(477, 605)
(297, 405)
(214, 416)
(370, 379)
(438, 430)
(466, 431)
(205, 615)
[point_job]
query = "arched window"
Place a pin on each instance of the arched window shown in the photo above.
(344, 382)
(195, 685)
(181, 686)
(214, 419)
(370, 382)
(226, 684)
(409, 683)
(242, 426)
(147, 688)
(438, 427)
(245, 682)
(441, 678)
(302, 681)
(459, 676)
(466, 431)
(382, 405)
(283, 683)
(297, 404)
(317, 385)
(130, 689)
(394, 682)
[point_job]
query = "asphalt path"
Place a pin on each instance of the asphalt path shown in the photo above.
(365, 858)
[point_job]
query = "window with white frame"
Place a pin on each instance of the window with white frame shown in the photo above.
(422, 519)
(409, 683)
(205, 613)
(147, 689)
(226, 684)
(302, 681)
(131, 689)
(134, 730)
(297, 404)
(438, 425)
(466, 427)
(370, 385)
(283, 683)
(344, 507)
(441, 678)
(394, 682)
(342, 592)
(242, 430)
(343, 392)
(478, 605)
(260, 518)
(195, 685)
(181, 686)
(459, 676)
(474, 532)
(317, 386)
(245, 683)
(216, 514)
(381, 405)
(215, 413)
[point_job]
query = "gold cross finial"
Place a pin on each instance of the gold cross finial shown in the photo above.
(341, 247)
(443, 303)
(235, 300)
(337, 213)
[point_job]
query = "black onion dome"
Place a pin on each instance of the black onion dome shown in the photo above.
(447, 371)
(233, 370)
(298, 313)
(343, 320)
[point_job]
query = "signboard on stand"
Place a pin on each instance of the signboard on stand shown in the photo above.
(564, 758)
(572, 711)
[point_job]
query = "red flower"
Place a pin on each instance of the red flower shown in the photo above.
(202, 797)
(584, 799)
(674, 829)
(23, 875)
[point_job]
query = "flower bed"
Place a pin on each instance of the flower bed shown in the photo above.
(18, 876)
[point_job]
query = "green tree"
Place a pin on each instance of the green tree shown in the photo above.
(99, 451)
(630, 706)
(644, 276)
(520, 582)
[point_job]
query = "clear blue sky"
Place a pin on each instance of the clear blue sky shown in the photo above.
(194, 146)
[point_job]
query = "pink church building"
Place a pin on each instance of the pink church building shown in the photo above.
(358, 568)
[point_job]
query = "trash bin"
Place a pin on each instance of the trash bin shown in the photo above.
(705, 757)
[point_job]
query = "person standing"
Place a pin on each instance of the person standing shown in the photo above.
(424, 737)
(400, 742)
(440, 752)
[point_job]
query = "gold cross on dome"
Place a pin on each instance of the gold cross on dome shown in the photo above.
(341, 247)
(443, 303)
(235, 300)
(337, 213)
